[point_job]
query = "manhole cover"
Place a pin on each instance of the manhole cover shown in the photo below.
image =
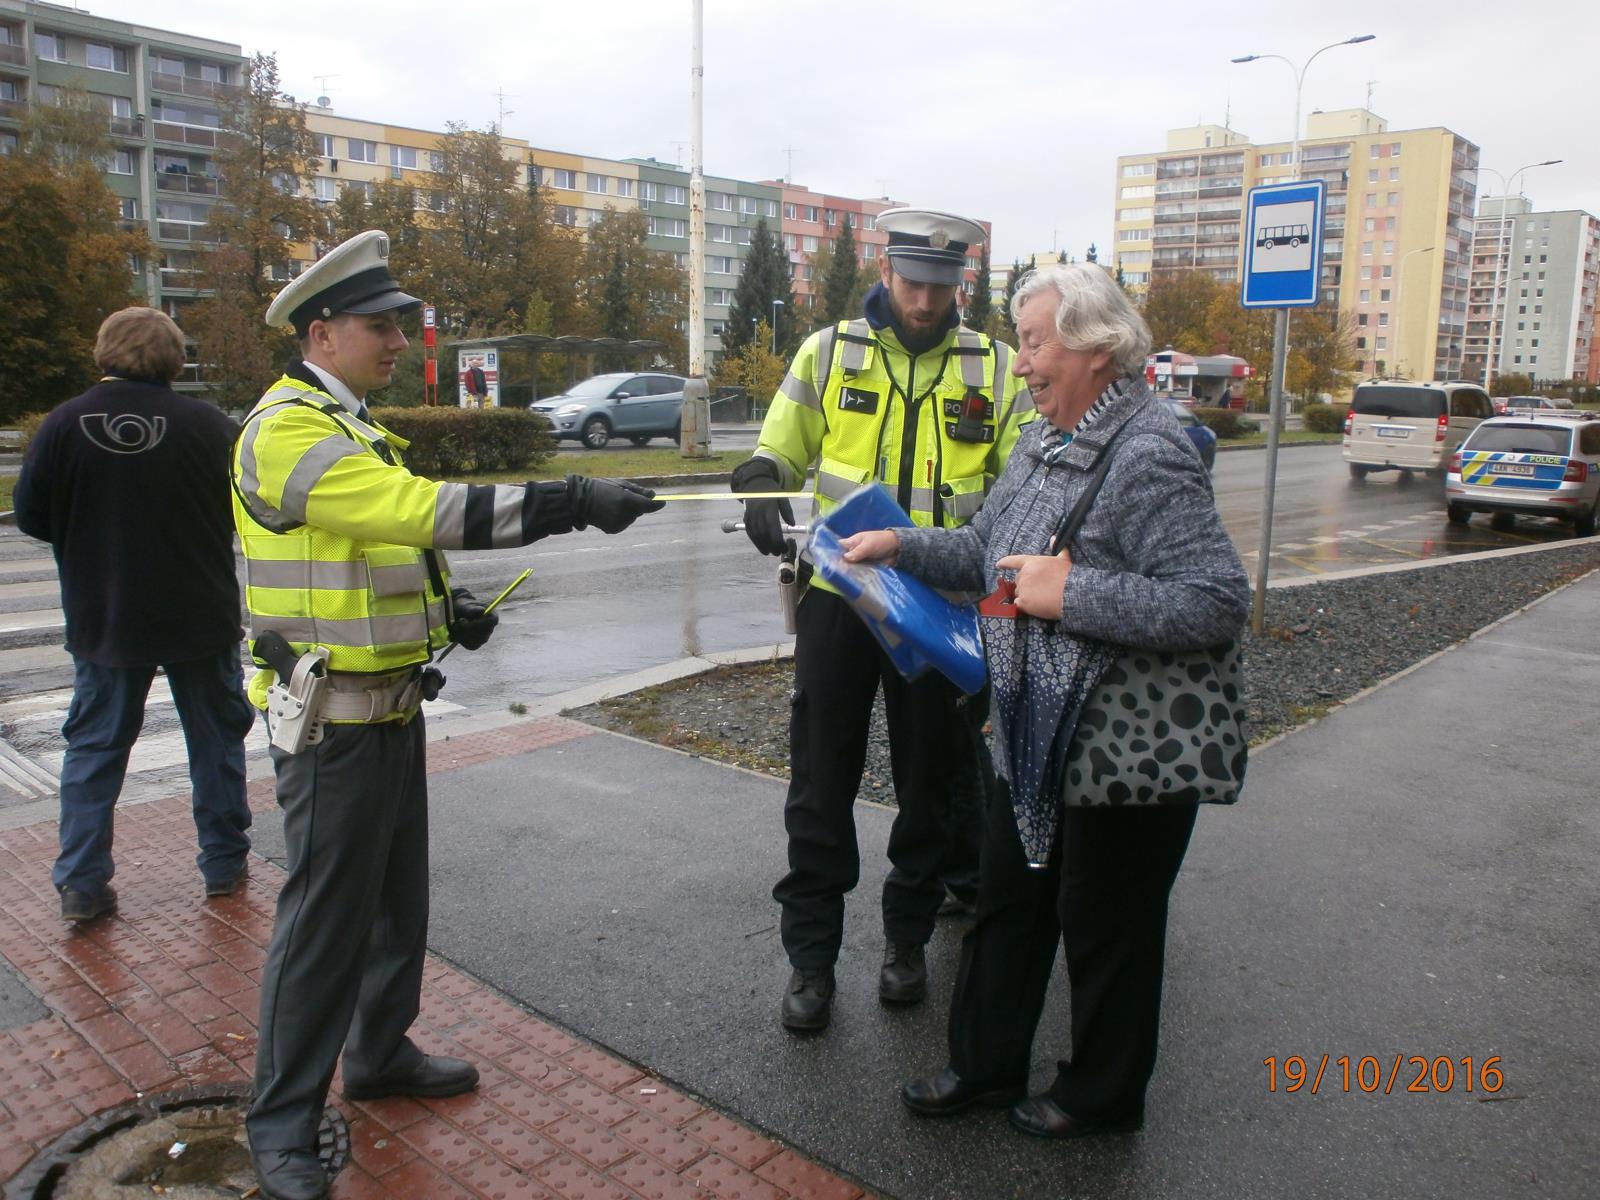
(184, 1145)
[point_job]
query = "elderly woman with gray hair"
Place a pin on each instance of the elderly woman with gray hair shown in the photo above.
(1149, 569)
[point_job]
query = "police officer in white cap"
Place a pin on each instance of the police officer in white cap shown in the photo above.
(907, 397)
(350, 597)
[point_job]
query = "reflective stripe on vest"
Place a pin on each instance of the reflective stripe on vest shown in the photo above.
(373, 605)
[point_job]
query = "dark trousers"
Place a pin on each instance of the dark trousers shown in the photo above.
(1104, 896)
(351, 931)
(103, 722)
(935, 748)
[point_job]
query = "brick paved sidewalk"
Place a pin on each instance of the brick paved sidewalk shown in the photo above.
(164, 994)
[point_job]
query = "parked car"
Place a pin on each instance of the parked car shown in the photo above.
(1400, 425)
(1205, 441)
(1508, 404)
(621, 404)
(1546, 466)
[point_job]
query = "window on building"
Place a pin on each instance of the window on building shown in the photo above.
(719, 233)
(1134, 170)
(1394, 149)
(1366, 296)
(325, 189)
(625, 188)
(565, 214)
(647, 191)
(1366, 249)
(809, 245)
(721, 202)
(748, 205)
(1372, 175)
(403, 156)
(719, 295)
(1387, 273)
(128, 208)
(1394, 174)
(808, 212)
(8, 142)
(671, 193)
(1388, 247)
(324, 144)
(51, 47)
(121, 162)
(1374, 151)
(1383, 343)
(1543, 258)
(564, 179)
(436, 165)
(791, 212)
(1133, 235)
(1372, 200)
(1393, 199)
(105, 58)
(1383, 318)
(1142, 191)
(361, 150)
(1361, 318)
(1383, 295)
(598, 184)
(1388, 225)
(1370, 225)
(1361, 343)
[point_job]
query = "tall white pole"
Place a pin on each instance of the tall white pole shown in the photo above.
(1399, 303)
(695, 426)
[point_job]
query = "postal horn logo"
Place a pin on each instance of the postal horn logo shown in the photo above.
(123, 433)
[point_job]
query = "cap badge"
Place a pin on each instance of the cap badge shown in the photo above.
(938, 239)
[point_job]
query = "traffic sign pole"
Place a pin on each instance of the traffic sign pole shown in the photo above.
(1282, 270)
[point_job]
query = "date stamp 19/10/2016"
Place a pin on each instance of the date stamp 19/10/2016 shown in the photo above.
(1367, 1073)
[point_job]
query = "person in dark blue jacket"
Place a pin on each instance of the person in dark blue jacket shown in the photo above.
(129, 485)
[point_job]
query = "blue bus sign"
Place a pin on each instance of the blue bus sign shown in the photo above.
(1283, 245)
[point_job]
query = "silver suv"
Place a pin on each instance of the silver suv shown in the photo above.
(622, 404)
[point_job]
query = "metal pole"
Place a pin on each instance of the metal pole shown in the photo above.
(694, 428)
(1280, 354)
(1399, 310)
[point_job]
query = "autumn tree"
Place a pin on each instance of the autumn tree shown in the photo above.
(266, 158)
(63, 270)
(629, 291)
(1178, 311)
(753, 367)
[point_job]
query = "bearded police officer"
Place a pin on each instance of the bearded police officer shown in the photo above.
(349, 597)
(907, 397)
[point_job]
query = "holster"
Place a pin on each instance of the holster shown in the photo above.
(294, 706)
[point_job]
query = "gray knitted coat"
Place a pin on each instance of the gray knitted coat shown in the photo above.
(1152, 568)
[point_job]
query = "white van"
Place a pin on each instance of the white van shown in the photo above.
(1400, 425)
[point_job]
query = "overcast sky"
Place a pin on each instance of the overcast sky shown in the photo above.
(1009, 110)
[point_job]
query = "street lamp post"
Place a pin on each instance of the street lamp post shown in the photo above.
(776, 305)
(1495, 305)
(1280, 351)
(1399, 296)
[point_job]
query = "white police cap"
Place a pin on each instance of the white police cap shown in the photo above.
(926, 246)
(353, 277)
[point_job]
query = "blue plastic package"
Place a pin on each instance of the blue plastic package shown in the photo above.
(917, 627)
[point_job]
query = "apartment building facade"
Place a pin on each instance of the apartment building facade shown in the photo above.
(1535, 280)
(1397, 230)
(163, 94)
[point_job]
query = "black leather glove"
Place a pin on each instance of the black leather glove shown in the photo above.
(610, 504)
(764, 519)
(473, 623)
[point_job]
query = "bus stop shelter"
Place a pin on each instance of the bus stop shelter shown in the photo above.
(636, 353)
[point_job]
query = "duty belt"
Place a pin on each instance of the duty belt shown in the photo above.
(369, 698)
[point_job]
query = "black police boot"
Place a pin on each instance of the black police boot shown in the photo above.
(289, 1174)
(904, 978)
(808, 1000)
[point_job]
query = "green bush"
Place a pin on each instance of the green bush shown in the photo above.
(1225, 422)
(1325, 418)
(28, 425)
(456, 441)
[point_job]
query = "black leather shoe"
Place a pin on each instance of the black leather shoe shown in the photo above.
(1043, 1117)
(957, 906)
(435, 1075)
(808, 1000)
(904, 978)
(289, 1174)
(228, 885)
(86, 906)
(946, 1093)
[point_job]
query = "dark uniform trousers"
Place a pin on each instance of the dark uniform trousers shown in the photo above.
(936, 751)
(351, 931)
(1104, 896)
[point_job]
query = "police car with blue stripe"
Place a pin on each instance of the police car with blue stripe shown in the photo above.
(1546, 466)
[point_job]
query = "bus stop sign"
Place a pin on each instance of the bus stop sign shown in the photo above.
(1283, 245)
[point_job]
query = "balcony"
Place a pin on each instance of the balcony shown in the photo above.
(188, 185)
(129, 127)
(177, 231)
(183, 85)
(186, 135)
(16, 56)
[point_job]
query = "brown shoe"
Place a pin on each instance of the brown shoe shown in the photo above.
(78, 907)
